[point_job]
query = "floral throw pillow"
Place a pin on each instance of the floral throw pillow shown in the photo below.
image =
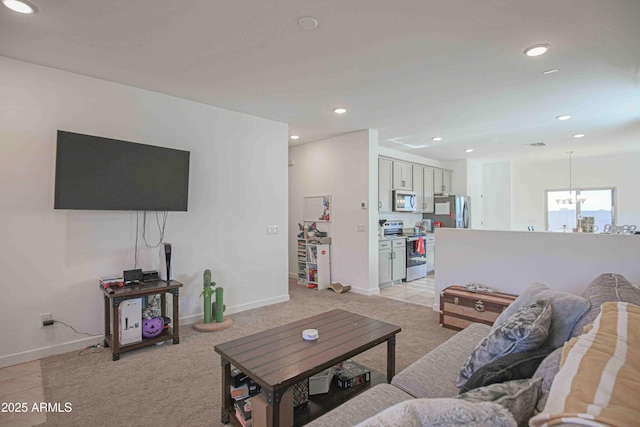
(442, 412)
(516, 366)
(525, 330)
(518, 396)
(567, 309)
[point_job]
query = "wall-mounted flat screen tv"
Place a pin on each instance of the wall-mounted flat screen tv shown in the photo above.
(95, 173)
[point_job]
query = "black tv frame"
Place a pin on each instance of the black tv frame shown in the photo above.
(98, 173)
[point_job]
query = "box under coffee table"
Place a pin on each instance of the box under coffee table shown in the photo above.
(279, 357)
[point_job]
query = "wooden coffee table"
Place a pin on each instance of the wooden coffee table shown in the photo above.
(279, 358)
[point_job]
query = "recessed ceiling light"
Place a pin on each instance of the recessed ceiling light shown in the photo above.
(563, 117)
(469, 150)
(578, 135)
(537, 50)
(294, 137)
(20, 6)
(339, 110)
(308, 23)
(436, 138)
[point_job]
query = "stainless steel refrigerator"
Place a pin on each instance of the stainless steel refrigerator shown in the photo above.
(451, 211)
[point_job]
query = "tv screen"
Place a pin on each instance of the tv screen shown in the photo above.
(96, 173)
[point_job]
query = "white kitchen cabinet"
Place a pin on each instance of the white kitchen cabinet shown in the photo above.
(384, 263)
(399, 258)
(392, 261)
(430, 249)
(442, 181)
(424, 180)
(385, 183)
(402, 176)
(423, 187)
(446, 181)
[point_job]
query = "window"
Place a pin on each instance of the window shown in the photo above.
(564, 208)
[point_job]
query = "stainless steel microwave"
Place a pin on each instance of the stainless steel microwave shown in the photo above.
(404, 201)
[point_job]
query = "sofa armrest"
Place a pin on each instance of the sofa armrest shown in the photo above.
(435, 373)
(361, 407)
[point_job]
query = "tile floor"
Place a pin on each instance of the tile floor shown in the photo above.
(420, 291)
(21, 384)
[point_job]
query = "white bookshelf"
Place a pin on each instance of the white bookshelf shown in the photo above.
(314, 263)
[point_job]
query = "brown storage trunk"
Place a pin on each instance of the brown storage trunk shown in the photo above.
(460, 307)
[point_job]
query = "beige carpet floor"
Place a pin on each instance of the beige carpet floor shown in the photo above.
(179, 385)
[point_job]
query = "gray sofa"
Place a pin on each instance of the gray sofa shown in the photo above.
(433, 377)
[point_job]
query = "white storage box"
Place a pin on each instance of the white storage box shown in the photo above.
(130, 321)
(319, 383)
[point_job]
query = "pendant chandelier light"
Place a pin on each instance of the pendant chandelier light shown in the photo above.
(570, 200)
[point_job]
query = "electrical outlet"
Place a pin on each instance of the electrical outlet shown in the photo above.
(46, 319)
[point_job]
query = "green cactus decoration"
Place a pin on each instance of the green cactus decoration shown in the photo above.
(218, 306)
(207, 292)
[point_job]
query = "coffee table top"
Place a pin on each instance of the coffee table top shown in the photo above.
(280, 357)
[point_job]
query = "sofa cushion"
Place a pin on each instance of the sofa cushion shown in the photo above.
(599, 378)
(434, 374)
(525, 330)
(606, 287)
(442, 412)
(547, 371)
(515, 366)
(567, 309)
(518, 396)
(361, 407)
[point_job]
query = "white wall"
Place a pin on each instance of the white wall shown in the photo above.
(531, 179)
(475, 189)
(459, 176)
(515, 191)
(411, 158)
(51, 259)
(497, 196)
(510, 261)
(339, 167)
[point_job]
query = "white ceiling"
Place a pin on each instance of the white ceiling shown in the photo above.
(411, 69)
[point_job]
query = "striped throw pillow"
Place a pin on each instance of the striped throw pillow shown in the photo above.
(599, 379)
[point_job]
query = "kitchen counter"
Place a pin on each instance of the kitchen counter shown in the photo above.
(404, 236)
(391, 237)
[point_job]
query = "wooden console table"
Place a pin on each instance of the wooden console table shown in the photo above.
(111, 314)
(279, 358)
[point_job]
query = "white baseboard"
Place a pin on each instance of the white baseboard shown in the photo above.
(76, 345)
(261, 303)
(39, 353)
(189, 320)
(367, 292)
